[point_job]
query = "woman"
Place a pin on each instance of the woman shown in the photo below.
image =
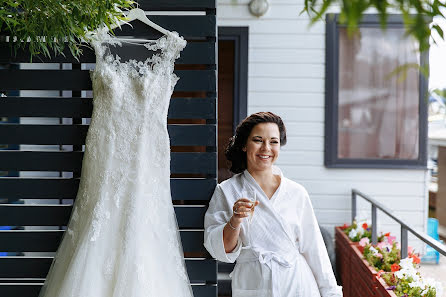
(280, 252)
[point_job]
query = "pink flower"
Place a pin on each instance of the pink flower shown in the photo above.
(410, 250)
(379, 255)
(391, 239)
(381, 245)
(364, 241)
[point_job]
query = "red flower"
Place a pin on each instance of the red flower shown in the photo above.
(395, 267)
(387, 234)
(415, 259)
(365, 226)
(345, 226)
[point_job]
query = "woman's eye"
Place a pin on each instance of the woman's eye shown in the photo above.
(274, 142)
(257, 140)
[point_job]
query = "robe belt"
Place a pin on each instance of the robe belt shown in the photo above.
(273, 260)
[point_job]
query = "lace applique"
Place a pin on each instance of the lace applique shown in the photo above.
(99, 218)
(108, 268)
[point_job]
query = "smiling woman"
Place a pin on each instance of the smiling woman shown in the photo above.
(279, 250)
(254, 126)
(262, 147)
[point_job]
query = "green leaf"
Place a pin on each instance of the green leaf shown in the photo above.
(439, 31)
(59, 22)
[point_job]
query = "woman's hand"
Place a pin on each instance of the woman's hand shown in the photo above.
(231, 231)
(241, 210)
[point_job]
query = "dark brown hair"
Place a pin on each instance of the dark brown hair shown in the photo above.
(234, 151)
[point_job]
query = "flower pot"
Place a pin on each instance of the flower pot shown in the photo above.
(363, 276)
(343, 257)
(358, 278)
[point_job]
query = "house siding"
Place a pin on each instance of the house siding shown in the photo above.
(287, 76)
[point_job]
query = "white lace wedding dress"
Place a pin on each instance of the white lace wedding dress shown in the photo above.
(122, 239)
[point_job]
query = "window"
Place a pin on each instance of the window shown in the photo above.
(374, 117)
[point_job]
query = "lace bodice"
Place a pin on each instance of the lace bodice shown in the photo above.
(166, 50)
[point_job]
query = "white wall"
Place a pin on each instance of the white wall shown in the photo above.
(286, 76)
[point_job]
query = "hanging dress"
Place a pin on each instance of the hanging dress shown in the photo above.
(122, 239)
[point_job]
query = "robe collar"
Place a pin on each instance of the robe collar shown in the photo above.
(252, 183)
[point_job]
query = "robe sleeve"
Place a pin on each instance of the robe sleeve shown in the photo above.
(215, 219)
(312, 247)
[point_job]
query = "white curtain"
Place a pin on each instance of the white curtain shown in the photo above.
(378, 112)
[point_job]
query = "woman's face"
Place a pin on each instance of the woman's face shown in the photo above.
(262, 146)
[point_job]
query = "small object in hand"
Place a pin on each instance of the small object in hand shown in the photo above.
(251, 196)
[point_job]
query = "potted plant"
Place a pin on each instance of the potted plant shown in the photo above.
(405, 280)
(377, 270)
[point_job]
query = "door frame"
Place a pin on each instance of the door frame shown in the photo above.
(240, 37)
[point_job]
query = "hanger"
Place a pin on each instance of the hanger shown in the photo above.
(138, 14)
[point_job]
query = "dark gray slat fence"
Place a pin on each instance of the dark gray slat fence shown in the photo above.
(48, 241)
(15, 79)
(193, 163)
(189, 217)
(32, 290)
(180, 135)
(176, 5)
(193, 53)
(182, 188)
(196, 135)
(38, 267)
(179, 108)
(66, 188)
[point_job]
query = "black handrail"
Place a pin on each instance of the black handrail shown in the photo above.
(404, 226)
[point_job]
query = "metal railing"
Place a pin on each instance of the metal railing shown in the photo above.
(405, 228)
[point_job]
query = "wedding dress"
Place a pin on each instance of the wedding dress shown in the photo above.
(122, 239)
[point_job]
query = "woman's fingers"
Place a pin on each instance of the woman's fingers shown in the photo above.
(241, 215)
(243, 207)
(241, 210)
(246, 202)
(242, 203)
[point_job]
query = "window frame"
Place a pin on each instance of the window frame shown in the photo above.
(331, 159)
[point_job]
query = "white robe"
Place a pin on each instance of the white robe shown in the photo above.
(280, 253)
